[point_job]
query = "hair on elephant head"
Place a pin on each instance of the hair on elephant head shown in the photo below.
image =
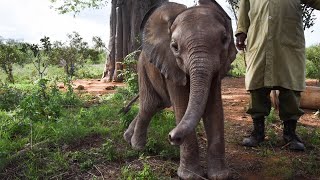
(185, 54)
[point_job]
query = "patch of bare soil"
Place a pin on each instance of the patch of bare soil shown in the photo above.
(244, 163)
(93, 86)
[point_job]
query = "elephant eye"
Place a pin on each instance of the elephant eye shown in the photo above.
(174, 46)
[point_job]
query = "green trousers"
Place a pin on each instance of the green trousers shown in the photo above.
(289, 102)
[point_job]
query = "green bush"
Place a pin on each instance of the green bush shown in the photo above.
(238, 67)
(90, 71)
(313, 62)
(9, 97)
(129, 73)
(46, 103)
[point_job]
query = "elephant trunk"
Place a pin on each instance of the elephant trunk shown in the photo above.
(201, 73)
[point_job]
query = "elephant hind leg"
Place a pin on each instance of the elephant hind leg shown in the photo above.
(150, 103)
(136, 134)
(139, 136)
(129, 132)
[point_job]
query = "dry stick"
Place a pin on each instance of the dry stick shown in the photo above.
(25, 150)
(92, 174)
(285, 145)
(56, 176)
(272, 147)
(275, 126)
(99, 171)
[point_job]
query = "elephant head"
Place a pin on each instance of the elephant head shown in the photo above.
(189, 46)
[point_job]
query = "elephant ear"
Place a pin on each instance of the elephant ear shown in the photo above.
(156, 40)
(230, 51)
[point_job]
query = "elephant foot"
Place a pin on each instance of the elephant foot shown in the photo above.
(138, 142)
(128, 135)
(218, 174)
(187, 173)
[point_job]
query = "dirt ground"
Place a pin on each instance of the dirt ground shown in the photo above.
(235, 97)
(244, 163)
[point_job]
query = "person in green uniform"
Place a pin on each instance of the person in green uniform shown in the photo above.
(275, 55)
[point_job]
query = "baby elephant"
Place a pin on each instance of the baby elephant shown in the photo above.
(186, 52)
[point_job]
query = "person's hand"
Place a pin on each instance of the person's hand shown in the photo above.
(240, 39)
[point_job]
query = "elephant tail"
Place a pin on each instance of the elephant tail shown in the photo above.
(127, 108)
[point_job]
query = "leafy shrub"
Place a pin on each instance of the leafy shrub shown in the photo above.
(238, 67)
(89, 71)
(46, 103)
(129, 72)
(40, 104)
(272, 117)
(12, 52)
(9, 97)
(313, 63)
(311, 70)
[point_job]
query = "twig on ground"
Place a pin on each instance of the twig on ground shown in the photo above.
(92, 174)
(30, 147)
(272, 147)
(56, 176)
(286, 145)
(99, 171)
(277, 127)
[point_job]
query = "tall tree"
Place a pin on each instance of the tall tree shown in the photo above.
(125, 20)
(12, 52)
(126, 17)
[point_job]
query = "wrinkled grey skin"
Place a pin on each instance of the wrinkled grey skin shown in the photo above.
(185, 54)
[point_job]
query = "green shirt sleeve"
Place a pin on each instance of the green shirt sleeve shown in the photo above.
(243, 17)
(312, 3)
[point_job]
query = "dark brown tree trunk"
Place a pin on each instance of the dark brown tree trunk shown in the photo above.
(110, 61)
(119, 42)
(126, 26)
(126, 17)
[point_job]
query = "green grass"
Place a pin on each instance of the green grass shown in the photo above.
(146, 172)
(81, 137)
(24, 75)
(43, 141)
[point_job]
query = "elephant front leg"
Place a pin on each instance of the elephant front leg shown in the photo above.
(189, 167)
(214, 127)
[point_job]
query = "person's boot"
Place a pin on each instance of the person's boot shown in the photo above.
(290, 137)
(257, 135)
